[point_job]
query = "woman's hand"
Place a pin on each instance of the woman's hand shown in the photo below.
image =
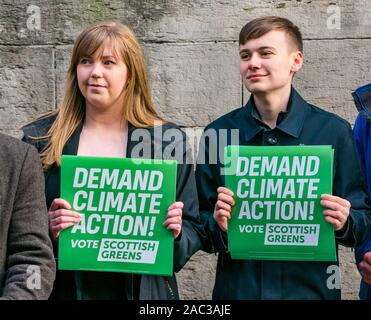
(174, 218)
(61, 217)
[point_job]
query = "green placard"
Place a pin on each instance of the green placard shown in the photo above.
(277, 214)
(123, 203)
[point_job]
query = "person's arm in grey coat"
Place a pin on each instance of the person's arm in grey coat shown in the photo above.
(30, 266)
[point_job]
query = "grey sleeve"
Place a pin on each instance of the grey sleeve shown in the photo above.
(30, 262)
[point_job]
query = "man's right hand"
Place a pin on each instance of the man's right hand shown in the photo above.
(223, 206)
(61, 217)
(365, 267)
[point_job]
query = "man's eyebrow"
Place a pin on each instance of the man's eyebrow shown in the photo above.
(260, 48)
(267, 47)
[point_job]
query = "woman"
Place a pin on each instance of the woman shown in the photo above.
(106, 103)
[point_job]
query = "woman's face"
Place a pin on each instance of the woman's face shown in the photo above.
(102, 80)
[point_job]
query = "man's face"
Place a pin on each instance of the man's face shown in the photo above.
(268, 63)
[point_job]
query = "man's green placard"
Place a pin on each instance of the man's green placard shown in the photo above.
(277, 214)
(123, 203)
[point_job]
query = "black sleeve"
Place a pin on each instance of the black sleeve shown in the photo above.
(208, 179)
(192, 236)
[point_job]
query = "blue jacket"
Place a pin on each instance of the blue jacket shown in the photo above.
(362, 136)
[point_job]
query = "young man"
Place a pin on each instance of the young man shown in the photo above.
(27, 267)
(362, 137)
(270, 55)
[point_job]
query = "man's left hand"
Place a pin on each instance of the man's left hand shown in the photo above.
(336, 210)
(365, 268)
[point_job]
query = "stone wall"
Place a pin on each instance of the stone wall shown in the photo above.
(192, 52)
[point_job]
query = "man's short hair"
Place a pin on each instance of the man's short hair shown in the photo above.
(260, 26)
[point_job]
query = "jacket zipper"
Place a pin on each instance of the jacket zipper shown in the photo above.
(170, 289)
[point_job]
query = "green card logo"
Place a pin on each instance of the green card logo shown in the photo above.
(278, 215)
(123, 205)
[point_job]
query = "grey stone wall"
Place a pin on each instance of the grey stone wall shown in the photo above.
(192, 52)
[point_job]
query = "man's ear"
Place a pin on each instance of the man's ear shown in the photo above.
(297, 61)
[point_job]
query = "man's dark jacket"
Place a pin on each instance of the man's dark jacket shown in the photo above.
(27, 267)
(302, 124)
(190, 240)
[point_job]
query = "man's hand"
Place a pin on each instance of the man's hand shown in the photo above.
(337, 210)
(223, 206)
(174, 218)
(365, 268)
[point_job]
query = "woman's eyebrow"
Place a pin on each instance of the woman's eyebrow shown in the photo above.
(108, 56)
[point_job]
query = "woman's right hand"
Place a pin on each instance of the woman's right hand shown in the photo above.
(61, 217)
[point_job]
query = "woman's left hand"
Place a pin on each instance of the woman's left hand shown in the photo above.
(174, 218)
